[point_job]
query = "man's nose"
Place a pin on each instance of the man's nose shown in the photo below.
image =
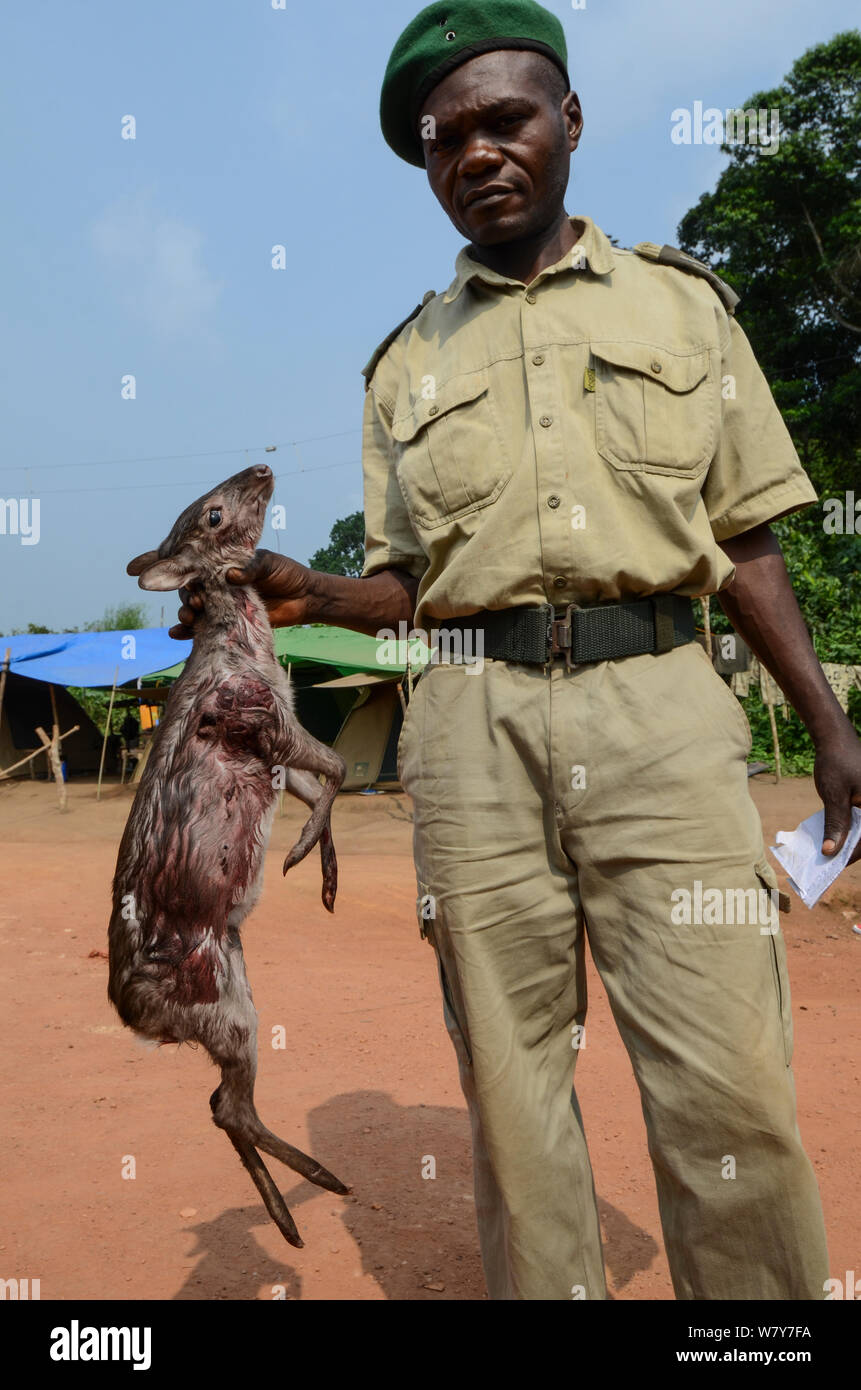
(480, 154)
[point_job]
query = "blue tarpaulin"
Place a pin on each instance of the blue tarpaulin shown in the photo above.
(95, 659)
(91, 658)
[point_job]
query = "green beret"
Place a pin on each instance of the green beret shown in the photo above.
(441, 38)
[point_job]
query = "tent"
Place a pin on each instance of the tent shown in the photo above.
(368, 738)
(346, 683)
(359, 711)
(27, 705)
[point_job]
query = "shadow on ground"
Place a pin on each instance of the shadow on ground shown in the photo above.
(415, 1236)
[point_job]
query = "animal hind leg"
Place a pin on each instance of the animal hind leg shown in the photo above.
(231, 1040)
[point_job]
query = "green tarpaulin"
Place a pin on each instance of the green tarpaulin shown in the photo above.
(340, 647)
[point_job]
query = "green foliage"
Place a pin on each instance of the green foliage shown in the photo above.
(826, 576)
(825, 572)
(345, 553)
(796, 750)
(126, 617)
(785, 230)
(95, 704)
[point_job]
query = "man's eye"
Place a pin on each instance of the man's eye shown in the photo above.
(509, 120)
(215, 516)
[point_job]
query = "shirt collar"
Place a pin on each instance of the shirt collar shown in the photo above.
(593, 249)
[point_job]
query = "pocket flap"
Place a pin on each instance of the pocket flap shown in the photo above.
(765, 873)
(411, 416)
(676, 371)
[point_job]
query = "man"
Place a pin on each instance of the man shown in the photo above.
(577, 426)
(130, 730)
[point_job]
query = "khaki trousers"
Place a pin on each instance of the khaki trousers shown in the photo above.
(555, 805)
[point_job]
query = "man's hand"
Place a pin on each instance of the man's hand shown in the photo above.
(837, 774)
(282, 583)
(295, 594)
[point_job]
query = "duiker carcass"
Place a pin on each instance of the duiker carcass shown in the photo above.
(190, 864)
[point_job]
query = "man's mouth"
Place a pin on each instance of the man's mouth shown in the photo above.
(491, 194)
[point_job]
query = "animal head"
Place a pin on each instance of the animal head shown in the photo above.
(218, 531)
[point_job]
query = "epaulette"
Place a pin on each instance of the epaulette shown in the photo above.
(371, 366)
(671, 255)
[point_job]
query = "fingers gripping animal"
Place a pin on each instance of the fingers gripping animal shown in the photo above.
(190, 864)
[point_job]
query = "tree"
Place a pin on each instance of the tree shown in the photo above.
(126, 617)
(784, 229)
(345, 553)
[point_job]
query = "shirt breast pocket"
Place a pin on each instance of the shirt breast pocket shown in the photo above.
(450, 456)
(656, 410)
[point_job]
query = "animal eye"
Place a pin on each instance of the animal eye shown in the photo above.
(215, 516)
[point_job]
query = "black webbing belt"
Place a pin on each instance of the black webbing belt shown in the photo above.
(602, 633)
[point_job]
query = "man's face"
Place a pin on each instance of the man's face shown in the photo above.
(498, 145)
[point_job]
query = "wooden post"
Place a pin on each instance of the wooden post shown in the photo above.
(107, 731)
(281, 790)
(773, 723)
(6, 661)
(37, 752)
(52, 748)
(54, 755)
(707, 624)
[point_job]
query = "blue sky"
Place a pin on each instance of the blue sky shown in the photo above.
(254, 127)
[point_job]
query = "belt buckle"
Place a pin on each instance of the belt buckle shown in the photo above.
(560, 635)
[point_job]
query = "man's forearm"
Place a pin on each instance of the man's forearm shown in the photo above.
(763, 609)
(366, 605)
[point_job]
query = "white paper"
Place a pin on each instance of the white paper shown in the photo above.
(800, 852)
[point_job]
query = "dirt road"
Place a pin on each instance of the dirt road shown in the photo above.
(367, 1081)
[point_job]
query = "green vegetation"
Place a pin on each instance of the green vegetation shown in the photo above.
(345, 553)
(785, 232)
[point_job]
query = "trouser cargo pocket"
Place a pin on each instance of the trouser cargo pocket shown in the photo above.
(768, 878)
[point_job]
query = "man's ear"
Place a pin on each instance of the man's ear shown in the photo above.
(574, 115)
(161, 575)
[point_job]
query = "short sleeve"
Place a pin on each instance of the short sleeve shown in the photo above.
(755, 475)
(390, 542)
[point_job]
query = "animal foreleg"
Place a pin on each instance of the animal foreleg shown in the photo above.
(304, 757)
(306, 787)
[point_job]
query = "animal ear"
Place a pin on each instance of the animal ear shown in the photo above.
(173, 573)
(142, 562)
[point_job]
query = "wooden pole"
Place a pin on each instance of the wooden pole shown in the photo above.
(54, 755)
(37, 752)
(281, 791)
(6, 661)
(707, 624)
(774, 739)
(52, 748)
(107, 731)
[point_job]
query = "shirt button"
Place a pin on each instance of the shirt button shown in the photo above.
(559, 582)
(434, 410)
(656, 366)
(538, 359)
(546, 421)
(530, 298)
(553, 500)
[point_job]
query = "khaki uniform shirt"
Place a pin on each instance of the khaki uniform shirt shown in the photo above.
(587, 438)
